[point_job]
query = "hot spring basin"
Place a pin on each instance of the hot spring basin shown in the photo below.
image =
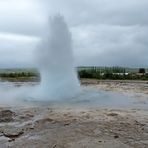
(88, 97)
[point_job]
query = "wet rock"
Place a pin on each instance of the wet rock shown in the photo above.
(13, 132)
(6, 115)
(43, 121)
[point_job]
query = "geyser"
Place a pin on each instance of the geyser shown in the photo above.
(55, 62)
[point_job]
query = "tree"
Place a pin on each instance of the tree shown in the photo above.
(141, 70)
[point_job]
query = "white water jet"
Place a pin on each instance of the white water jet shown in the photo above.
(56, 63)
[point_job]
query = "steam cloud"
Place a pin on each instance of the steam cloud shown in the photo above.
(55, 62)
(54, 59)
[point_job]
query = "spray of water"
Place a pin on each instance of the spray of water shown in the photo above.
(56, 63)
(54, 59)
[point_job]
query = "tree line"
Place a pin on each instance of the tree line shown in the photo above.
(113, 73)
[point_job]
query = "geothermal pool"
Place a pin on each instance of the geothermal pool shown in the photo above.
(88, 97)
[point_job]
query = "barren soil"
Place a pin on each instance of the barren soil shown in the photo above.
(75, 127)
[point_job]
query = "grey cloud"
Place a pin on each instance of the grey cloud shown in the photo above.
(105, 32)
(15, 50)
(115, 12)
(21, 17)
(112, 45)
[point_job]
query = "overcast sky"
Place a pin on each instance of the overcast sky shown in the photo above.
(104, 32)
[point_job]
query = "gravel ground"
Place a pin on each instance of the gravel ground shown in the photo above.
(77, 127)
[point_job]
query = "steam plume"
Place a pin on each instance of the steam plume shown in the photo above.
(56, 63)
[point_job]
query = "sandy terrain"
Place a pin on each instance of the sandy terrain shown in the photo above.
(75, 127)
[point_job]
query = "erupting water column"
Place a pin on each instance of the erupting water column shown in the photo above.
(56, 63)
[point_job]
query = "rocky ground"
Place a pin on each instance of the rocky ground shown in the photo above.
(75, 127)
(123, 86)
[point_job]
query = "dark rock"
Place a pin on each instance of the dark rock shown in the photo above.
(6, 115)
(10, 140)
(66, 124)
(13, 133)
(116, 136)
(54, 146)
(112, 114)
